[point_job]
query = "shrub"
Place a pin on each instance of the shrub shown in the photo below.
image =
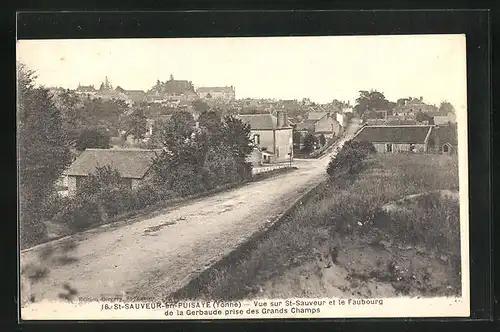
(147, 195)
(349, 160)
(116, 200)
(79, 213)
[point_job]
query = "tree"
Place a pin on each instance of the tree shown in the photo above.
(69, 104)
(322, 140)
(92, 138)
(43, 151)
(136, 124)
(200, 106)
(237, 137)
(421, 117)
(297, 136)
(177, 131)
(309, 142)
(350, 158)
(446, 107)
(371, 101)
(102, 178)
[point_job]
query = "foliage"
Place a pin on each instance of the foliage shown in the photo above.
(43, 151)
(135, 124)
(297, 136)
(91, 138)
(196, 159)
(322, 139)
(103, 178)
(446, 107)
(370, 101)
(349, 160)
(421, 117)
(309, 142)
(78, 213)
(200, 106)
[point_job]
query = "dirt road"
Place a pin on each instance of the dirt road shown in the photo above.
(154, 256)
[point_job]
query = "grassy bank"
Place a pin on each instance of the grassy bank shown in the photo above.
(341, 241)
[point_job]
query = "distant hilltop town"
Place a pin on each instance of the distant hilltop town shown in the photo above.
(172, 92)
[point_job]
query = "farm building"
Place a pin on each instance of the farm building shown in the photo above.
(396, 138)
(132, 164)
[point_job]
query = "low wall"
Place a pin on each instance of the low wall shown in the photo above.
(270, 168)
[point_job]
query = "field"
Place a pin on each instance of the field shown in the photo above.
(391, 231)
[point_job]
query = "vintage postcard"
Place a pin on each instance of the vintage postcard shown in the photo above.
(242, 178)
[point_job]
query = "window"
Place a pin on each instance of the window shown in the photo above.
(445, 148)
(412, 147)
(256, 139)
(389, 147)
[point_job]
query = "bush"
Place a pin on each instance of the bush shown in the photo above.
(146, 195)
(79, 213)
(350, 159)
(116, 200)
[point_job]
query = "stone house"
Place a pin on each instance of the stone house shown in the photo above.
(133, 165)
(272, 134)
(320, 123)
(397, 138)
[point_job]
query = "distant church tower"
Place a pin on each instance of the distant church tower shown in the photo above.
(171, 77)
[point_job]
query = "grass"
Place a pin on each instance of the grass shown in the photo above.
(348, 214)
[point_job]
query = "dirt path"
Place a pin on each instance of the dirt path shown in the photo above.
(152, 257)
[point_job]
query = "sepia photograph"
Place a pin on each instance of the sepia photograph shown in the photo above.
(243, 177)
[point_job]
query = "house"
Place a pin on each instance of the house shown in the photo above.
(414, 106)
(85, 90)
(398, 138)
(133, 165)
(320, 123)
(131, 96)
(226, 93)
(444, 139)
(272, 134)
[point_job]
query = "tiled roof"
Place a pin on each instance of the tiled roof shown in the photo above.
(131, 163)
(393, 134)
(315, 116)
(260, 121)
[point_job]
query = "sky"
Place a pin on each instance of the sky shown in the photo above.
(318, 68)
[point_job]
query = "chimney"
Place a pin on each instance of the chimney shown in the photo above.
(281, 119)
(421, 98)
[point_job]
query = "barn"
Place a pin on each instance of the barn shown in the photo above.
(394, 139)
